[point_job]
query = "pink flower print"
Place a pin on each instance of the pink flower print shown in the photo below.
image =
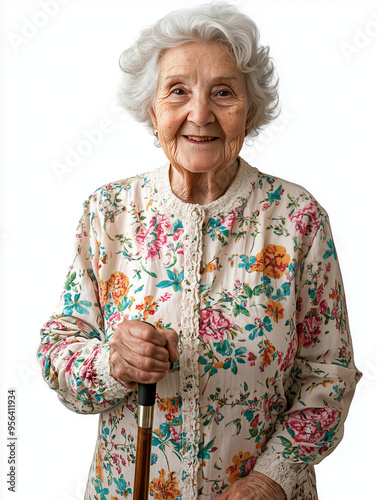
(251, 357)
(307, 221)
(319, 295)
(250, 464)
(311, 425)
(165, 297)
(114, 320)
(309, 330)
(323, 307)
(228, 221)
(153, 237)
(291, 353)
(213, 326)
(177, 234)
(174, 434)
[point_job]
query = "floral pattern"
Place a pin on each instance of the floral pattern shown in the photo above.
(252, 285)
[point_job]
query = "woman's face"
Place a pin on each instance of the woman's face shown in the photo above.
(201, 108)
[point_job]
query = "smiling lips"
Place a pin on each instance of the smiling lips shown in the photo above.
(197, 138)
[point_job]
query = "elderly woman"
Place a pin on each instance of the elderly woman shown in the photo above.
(236, 270)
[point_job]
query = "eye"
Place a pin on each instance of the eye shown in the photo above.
(178, 91)
(223, 93)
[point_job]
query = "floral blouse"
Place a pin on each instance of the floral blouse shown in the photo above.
(252, 285)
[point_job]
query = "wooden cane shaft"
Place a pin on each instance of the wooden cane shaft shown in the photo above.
(143, 463)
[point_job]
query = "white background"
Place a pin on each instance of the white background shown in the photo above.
(59, 77)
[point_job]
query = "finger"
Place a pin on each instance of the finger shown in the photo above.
(147, 349)
(128, 374)
(142, 339)
(224, 496)
(145, 331)
(145, 356)
(171, 337)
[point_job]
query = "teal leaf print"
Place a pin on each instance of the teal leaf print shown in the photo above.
(258, 290)
(240, 309)
(204, 451)
(174, 281)
(121, 485)
(75, 304)
(331, 251)
(70, 281)
(253, 433)
(154, 275)
(285, 442)
(247, 262)
(237, 424)
(224, 348)
(257, 329)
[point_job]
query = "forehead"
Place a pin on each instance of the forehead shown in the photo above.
(208, 59)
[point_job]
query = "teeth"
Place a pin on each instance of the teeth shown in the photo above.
(200, 139)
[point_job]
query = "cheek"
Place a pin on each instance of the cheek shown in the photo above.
(168, 128)
(234, 126)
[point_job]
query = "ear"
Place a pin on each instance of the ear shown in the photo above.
(152, 114)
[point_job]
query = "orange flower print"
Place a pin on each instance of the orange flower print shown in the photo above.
(207, 268)
(169, 406)
(148, 307)
(238, 463)
(120, 286)
(103, 292)
(99, 469)
(273, 261)
(275, 310)
(268, 352)
(164, 488)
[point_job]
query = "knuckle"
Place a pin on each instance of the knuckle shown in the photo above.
(118, 372)
(148, 364)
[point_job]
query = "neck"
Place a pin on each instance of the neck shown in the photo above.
(201, 187)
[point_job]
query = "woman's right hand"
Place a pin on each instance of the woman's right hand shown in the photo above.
(141, 354)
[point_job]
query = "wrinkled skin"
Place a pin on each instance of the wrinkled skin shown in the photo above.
(256, 486)
(201, 95)
(141, 354)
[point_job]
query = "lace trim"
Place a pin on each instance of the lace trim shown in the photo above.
(189, 342)
(112, 388)
(281, 472)
(242, 185)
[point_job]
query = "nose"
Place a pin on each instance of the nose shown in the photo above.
(201, 112)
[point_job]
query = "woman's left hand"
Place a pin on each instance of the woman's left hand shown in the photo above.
(256, 486)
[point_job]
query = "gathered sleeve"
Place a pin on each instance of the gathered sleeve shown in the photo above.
(323, 376)
(74, 351)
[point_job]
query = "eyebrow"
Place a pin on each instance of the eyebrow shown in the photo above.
(183, 76)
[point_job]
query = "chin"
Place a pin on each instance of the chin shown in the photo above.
(203, 165)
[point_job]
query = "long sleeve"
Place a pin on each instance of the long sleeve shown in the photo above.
(323, 376)
(74, 351)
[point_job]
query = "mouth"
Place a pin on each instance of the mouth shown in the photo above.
(200, 138)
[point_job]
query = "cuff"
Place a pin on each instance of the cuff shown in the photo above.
(281, 472)
(112, 388)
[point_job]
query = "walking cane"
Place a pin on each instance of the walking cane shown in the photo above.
(146, 397)
(146, 401)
